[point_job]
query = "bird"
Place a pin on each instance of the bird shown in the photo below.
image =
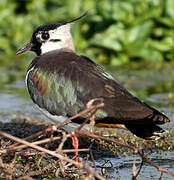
(61, 82)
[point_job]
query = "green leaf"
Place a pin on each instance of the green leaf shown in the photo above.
(119, 60)
(166, 21)
(170, 8)
(139, 32)
(110, 39)
(143, 51)
(164, 45)
(123, 11)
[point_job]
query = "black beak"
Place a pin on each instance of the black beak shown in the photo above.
(27, 47)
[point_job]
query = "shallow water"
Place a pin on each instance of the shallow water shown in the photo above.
(121, 167)
(156, 87)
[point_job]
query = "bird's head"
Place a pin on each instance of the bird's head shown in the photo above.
(50, 37)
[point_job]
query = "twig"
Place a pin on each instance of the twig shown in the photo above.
(63, 151)
(74, 150)
(161, 175)
(63, 158)
(141, 165)
(24, 146)
(134, 169)
(93, 108)
(92, 157)
(50, 129)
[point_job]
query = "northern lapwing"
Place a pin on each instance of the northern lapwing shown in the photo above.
(61, 82)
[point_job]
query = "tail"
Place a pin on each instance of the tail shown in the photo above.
(146, 131)
(149, 129)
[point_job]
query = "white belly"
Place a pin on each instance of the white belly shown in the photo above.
(70, 127)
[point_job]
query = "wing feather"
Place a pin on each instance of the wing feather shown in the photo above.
(64, 86)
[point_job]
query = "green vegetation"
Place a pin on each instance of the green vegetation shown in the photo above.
(115, 32)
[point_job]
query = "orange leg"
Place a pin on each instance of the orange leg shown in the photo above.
(75, 143)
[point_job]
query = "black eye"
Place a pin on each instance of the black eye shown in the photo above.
(45, 36)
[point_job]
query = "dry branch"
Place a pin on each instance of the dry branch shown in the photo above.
(60, 153)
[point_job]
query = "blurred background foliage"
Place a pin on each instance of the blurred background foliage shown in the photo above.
(115, 32)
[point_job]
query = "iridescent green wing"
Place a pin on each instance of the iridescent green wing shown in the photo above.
(54, 92)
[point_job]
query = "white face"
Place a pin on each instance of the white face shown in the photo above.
(58, 38)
